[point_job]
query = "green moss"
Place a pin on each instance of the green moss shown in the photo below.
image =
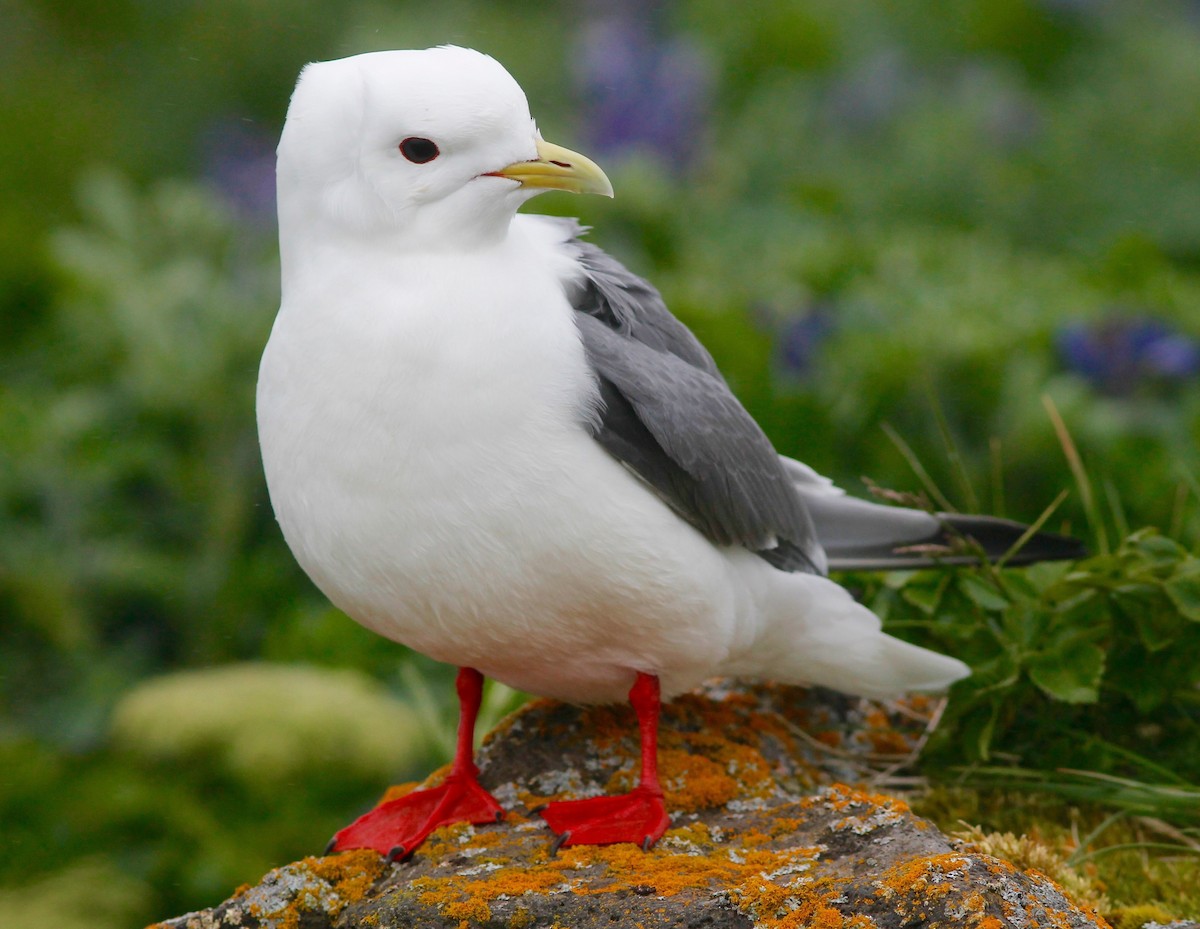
(1134, 917)
(90, 894)
(264, 724)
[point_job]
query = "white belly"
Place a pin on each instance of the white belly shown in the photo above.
(429, 466)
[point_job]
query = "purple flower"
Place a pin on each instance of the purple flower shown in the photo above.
(643, 91)
(801, 338)
(1123, 353)
(239, 160)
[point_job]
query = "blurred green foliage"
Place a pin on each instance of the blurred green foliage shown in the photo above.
(892, 214)
(264, 725)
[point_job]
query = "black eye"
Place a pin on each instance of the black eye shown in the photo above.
(418, 151)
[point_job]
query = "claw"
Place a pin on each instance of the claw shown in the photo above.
(331, 846)
(396, 853)
(559, 841)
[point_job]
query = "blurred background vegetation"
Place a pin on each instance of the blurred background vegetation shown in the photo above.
(898, 227)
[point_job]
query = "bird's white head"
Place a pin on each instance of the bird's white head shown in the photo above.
(433, 148)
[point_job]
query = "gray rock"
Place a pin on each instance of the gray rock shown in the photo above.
(764, 833)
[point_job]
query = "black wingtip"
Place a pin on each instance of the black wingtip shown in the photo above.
(997, 537)
(960, 540)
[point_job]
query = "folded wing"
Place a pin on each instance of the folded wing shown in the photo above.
(669, 416)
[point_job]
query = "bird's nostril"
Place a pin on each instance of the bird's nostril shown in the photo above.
(561, 164)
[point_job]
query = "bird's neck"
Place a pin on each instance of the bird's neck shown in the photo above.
(312, 228)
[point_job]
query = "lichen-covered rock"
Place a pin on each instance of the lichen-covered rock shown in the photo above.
(764, 833)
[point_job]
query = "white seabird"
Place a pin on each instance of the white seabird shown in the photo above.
(489, 441)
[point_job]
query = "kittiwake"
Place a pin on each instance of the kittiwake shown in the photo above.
(486, 439)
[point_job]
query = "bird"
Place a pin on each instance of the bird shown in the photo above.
(486, 439)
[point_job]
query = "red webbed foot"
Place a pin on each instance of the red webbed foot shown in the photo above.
(638, 816)
(395, 828)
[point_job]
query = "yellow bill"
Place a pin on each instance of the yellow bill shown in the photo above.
(558, 168)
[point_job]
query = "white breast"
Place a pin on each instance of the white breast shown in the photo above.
(422, 427)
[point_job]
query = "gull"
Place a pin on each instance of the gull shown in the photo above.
(486, 439)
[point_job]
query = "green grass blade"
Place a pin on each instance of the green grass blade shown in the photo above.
(957, 464)
(1081, 853)
(996, 459)
(1133, 846)
(1075, 462)
(1034, 528)
(429, 709)
(919, 469)
(1116, 508)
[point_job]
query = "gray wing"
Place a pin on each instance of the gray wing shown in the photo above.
(670, 417)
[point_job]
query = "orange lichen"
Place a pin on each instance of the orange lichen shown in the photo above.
(520, 919)
(888, 742)
(457, 898)
(694, 782)
(351, 875)
(922, 875)
(396, 791)
(606, 726)
(449, 841)
(832, 739)
(784, 825)
(809, 906)
(610, 869)
(842, 797)
(324, 885)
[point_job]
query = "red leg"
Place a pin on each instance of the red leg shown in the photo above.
(397, 827)
(638, 816)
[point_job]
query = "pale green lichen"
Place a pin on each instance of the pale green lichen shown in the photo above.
(1044, 833)
(1031, 852)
